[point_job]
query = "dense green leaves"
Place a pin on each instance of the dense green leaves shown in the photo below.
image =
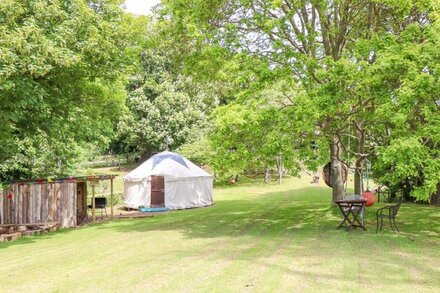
(60, 66)
(250, 138)
(364, 74)
(408, 159)
(292, 78)
(163, 108)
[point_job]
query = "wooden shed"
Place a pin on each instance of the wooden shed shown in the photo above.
(58, 200)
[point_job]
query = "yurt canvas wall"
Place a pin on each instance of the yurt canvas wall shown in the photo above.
(187, 193)
(137, 193)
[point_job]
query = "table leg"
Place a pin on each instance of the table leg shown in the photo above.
(355, 218)
(346, 215)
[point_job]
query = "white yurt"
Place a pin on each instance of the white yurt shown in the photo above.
(168, 180)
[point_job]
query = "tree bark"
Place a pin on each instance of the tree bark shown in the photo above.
(280, 169)
(358, 178)
(266, 175)
(359, 165)
(336, 170)
(435, 197)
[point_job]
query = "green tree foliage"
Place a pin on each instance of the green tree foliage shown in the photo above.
(163, 107)
(302, 37)
(248, 139)
(249, 95)
(407, 159)
(197, 147)
(252, 135)
(347, 59)
(60, 88)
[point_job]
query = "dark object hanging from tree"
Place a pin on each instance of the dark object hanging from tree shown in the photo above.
(327, 171)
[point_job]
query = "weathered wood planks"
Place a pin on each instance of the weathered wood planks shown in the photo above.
(34, 203)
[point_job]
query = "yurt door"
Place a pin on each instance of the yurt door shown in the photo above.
(157, 191)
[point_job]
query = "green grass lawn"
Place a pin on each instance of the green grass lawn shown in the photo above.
(258, 238)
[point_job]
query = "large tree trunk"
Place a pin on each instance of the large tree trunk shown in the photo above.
(336, 170)
(435, 197)
(358, 177)
(280, 168)
(359, 165)
(266, 175)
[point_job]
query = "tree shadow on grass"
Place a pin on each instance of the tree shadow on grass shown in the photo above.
(300, 211)
(301, 222)
(306, 209)
(415, 220)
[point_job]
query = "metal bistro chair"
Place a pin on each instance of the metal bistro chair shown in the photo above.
(388, 212)
(100, 203)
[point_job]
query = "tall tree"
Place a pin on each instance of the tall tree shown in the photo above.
(60, 89)
(163, 107)
(314, 40)
(408, 158)
(254, 137)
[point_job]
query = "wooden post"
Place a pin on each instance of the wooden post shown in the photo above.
(111, 197)
(93, 203)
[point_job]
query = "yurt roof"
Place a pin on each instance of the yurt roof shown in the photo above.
(167, 164)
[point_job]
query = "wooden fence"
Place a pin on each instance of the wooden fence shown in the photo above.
(39, 203)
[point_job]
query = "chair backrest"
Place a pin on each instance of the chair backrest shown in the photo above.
(395, 209)
(100, 202)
